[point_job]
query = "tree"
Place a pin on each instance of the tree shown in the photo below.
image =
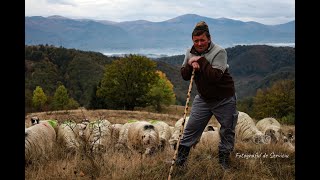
(39, 99)
(96, 102)
(127, 81)
(277, 101)
(60, 98)
(161, 92)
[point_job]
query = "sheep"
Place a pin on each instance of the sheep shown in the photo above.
(115, 132)
(99, 135)
(176, 132)
(246, 130)
(36, 120)
(270, 126)
(210, 127)
(39, 141)
(140, 136)
(288, 146)
(171, 129)
(210, 138)
(164, 132)
(67, 136)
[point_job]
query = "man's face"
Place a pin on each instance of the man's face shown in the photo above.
(201, 42)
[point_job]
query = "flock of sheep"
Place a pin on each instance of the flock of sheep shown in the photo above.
(145, 137)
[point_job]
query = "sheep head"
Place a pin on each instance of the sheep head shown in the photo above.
(34, 120)
(261, 139)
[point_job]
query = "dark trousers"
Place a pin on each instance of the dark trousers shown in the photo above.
(225, 112)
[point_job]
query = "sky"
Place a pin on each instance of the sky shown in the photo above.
(269, 12)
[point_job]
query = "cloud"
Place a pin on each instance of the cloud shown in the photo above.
(263, 11)
(62, 2)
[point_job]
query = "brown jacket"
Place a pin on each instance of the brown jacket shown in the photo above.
(213, 80)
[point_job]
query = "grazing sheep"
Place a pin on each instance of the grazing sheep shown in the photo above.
(210, 127)
(246, 130)
(115, 132)
(99, 135)
(270, 126)
(291, 135)
(288, 146)
(210, 139)
(34, 120)
(39, 141)
(68, 136)
(171, 129)
(164, 132)
(140, 136)
(176, 132)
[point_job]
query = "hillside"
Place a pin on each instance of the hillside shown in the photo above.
(252, 67)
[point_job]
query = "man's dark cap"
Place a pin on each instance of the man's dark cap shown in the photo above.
(201, 26)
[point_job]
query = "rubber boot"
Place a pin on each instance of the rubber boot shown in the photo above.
(224, 160)
(183, 152)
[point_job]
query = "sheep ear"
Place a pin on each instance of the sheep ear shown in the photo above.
(269, 132)
(148, 127)
(210, 128)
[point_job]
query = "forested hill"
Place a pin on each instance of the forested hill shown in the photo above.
(252, 67)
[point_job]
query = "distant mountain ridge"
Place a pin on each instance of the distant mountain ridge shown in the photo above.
(98, 35)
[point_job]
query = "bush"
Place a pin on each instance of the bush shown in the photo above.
(288, 119)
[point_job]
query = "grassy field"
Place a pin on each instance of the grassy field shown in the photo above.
(249, 161)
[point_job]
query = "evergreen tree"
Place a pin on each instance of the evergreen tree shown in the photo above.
(39, 99)
(60, 98)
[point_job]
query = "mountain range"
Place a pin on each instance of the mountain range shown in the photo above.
(103, 35)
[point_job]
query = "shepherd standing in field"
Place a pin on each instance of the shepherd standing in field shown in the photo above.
(216, 95)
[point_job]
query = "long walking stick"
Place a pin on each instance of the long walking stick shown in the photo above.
(182, 126)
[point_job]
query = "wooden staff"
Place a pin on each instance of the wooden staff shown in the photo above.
(182, 126)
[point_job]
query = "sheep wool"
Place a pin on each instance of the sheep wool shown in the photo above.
(67, 136)
(39, 141)
(210, 139)
(164, 132)
(176, 132)
(246, 130)
(143, 137)
(115, 132)
(99, 135)
(270, 126)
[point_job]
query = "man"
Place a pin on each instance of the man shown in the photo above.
(216, 95)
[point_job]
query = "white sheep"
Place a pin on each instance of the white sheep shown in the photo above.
(210, 139)
(68, 136)
(246, 130)
(39, 141)
(140, 136)
(270, 126)
(36, 120)
(164, 132)
(99, 135)
(115, 132)
(176, 132)
(172, 130)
